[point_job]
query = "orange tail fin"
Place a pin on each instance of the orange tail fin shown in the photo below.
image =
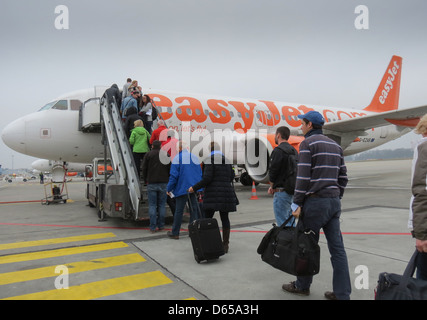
(387, 96)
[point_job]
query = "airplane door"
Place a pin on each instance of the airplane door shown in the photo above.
(89, 118)
(384, 132)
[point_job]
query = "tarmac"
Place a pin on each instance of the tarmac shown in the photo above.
(62, 251)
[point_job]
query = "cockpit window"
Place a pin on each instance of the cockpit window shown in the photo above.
(48, 106)
(59, 105)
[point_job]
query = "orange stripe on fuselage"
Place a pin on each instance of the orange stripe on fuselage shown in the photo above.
(217, 111)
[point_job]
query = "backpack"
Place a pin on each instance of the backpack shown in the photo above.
(153, 113)
(291, 166)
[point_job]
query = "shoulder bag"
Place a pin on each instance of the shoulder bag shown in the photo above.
(392, 286)
(293, 250)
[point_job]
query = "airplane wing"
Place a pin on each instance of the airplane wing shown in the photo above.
(404, 117)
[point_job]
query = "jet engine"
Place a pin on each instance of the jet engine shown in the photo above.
(257, 157)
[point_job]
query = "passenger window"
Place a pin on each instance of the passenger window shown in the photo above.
(61, 105)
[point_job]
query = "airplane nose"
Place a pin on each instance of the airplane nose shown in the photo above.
(13, 135)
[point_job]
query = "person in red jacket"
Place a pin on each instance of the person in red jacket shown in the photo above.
(156, 133)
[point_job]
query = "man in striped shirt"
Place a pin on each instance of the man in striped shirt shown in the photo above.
(321, 179)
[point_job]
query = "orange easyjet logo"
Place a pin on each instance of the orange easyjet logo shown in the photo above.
(242, 114)
(389, 83)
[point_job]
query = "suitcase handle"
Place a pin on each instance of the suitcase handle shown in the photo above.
(199, 211)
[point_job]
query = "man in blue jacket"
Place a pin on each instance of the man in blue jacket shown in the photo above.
(185, 172)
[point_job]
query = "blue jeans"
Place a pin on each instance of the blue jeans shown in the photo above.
(179, 211)
(324, 213)
(157, 204)
(282, 207)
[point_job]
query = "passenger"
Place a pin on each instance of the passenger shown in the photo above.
(185, 171)
(114, 91)
(156, 176)
(321, 179)
(156, 133)
(130, 102)
(418, 212)
(133, 86)
(139, 100)
(131, 117)
(139, 139)
(218, 194)
(282, 174)
(146, 111)
(126, 92)
(170, 144)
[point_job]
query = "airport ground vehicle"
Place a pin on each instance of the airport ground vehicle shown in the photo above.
(105, 194)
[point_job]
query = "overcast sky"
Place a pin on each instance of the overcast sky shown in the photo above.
(305, 51)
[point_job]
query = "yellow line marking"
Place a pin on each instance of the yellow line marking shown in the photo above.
(100, 289)
(73, 267)
(46, 242)
(60, 252)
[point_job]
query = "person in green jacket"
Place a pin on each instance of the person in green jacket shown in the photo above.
(139, 139)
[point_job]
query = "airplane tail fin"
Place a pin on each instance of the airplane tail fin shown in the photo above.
(387, 96)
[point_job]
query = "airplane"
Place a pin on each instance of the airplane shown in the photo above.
(247, 125)
(44, 165)
(50, 166)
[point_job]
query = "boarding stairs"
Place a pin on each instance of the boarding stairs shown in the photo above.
(98, 115)
(120, 150)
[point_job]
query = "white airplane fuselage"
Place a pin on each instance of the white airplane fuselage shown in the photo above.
(53, 134)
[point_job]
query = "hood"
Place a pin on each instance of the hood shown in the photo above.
(140, 130)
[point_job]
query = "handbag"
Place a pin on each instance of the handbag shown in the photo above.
(293, 250)
(392, 286)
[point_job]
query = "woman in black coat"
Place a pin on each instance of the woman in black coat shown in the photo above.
(219, 192)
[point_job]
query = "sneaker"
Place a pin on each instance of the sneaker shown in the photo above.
(291, 288)
(172, 236)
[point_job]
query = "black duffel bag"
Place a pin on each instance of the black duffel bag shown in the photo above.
(392, 286)
(293, 250)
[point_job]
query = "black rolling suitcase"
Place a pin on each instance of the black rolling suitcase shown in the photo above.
(205, 238)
